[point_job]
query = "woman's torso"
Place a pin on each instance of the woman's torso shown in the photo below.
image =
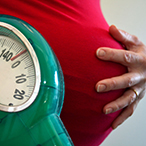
(75, 29)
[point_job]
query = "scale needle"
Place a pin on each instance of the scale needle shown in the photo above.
(22, 52)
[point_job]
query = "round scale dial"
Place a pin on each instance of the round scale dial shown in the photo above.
(19, 70)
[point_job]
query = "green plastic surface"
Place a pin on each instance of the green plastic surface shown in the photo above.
(39, 124)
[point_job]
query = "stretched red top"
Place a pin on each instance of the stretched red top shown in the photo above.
(75, 29)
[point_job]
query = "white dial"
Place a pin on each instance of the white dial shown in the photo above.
(19, 73)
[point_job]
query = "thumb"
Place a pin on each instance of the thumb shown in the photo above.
(128, 40)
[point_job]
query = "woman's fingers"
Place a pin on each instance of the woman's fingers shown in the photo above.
(125, 100)
(126, 113)
(119, 82)
(130, 41)
(128, 102)
(124, 57)
(135, 60)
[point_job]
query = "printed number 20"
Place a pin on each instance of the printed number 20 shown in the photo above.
(19, 94)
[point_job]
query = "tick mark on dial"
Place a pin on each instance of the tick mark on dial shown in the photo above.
(3, 42)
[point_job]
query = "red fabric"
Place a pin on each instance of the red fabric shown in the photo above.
(75, 29)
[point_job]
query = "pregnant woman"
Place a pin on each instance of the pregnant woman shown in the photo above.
(75, 29)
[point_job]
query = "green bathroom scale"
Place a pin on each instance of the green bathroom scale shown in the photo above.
(31, 88)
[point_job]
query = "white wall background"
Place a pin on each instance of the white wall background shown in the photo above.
(129, 15)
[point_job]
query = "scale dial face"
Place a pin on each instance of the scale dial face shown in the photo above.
(19, 70)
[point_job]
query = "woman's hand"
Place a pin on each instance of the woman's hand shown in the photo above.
(134, 58)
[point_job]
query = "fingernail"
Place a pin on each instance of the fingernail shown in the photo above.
(116, 126)
(101, 88)
(100, 53)
(108, 111)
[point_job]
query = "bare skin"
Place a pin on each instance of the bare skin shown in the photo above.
(134, 58)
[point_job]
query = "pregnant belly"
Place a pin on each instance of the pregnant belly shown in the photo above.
(75, 41)
(82, 111)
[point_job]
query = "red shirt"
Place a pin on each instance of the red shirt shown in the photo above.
(75, 29)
